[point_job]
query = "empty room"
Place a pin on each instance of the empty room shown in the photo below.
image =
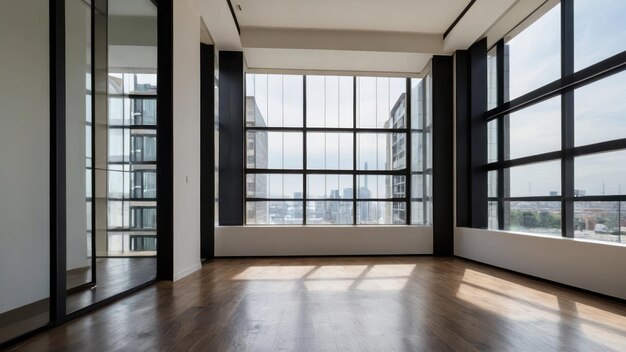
(328, 175)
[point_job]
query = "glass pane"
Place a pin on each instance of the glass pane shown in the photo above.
(381, 151)
(492, 141)
(381, 102)
(417, 186)
(381, 213)
(540, 179)
(274, 186)
(329, 101)
(534, 130)
(274, 100)
(381, 186)
(492, 223)
(274, 213)
(274, 150)
(534, 55)
(599, 30)
(600, 110)
(329, 186)
(533, 217)
(600, 174)
(600, 221)
(329, 213)
(492, 78)
(417, 213)
(492, 179)
(330, 151)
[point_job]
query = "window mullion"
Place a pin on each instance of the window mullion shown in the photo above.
(567, 119)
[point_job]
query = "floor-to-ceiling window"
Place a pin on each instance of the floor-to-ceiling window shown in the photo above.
(337, 150)
(556, 127)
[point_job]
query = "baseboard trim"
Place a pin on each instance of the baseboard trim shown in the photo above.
(181, 274)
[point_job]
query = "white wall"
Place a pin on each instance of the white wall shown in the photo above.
(592, 266)
(186, 139)
(24, 153)
(322, 240)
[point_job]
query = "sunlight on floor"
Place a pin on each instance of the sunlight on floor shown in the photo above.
(335, 278)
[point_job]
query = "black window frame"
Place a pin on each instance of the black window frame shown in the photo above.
(564, 87)
(406, 171)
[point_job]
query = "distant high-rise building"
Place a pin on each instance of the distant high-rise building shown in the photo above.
(256, 152)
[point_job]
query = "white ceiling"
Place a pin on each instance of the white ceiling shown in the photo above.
(132, 8)
(421, 16)
(335, 60)
(378, 36)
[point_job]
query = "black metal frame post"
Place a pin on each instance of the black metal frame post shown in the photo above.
(207, 151)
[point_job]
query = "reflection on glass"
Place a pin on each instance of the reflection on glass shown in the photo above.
(492, 222)
(492, 182)
(539, 179)
(600, 174)
(274, 100)
(329, 187)
(534, 54)
(274, 150)
(534, 217)
(329, 213)
(599, 110)
(381, 186)
(124, 186)
(492, 78)
(381, 151)
(380, 213)
(274, 213)
(378, 99)
(330, 151)
(421, 149)
(599, 30)
(600, 221)
(329, 101)
(492, 141)
(534, 130)
(282, 186)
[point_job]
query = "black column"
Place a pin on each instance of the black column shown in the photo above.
(165, 140)
(207, 151)
(443, 180)
(463, 189)
(231, 152)
(478, 133)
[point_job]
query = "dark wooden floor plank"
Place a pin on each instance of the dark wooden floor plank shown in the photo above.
(347, 304)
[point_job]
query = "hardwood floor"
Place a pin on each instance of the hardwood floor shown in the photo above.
(114, 275)
(347, 304)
